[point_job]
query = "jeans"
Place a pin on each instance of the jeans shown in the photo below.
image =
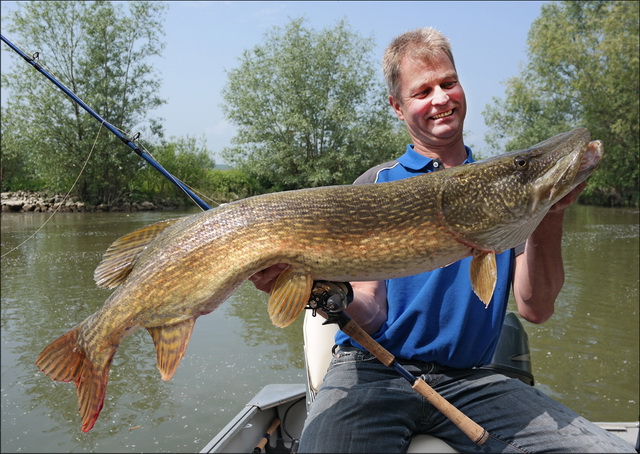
(366, 407)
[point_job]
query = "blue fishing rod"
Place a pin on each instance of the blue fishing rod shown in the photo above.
(33, 61)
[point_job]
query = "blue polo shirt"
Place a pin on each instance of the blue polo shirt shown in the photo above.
(435, 316)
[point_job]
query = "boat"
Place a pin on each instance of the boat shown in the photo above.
(272, 421)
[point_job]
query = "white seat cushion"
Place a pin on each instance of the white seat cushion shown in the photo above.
(318, 341)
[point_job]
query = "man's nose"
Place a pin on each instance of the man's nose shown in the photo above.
(439, 96)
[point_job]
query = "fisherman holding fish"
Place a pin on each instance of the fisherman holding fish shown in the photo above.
(433, 260)
(433, 322)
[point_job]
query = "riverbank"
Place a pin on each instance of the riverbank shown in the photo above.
(34, 202)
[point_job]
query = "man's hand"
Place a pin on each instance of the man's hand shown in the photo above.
(264, 280)
(568, 199)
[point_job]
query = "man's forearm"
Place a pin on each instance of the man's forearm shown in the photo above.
(539, 273)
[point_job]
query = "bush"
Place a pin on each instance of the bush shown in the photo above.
(227, 185)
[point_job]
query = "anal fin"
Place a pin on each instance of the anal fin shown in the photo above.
(289, 296)
(483, 275)
(171, 344)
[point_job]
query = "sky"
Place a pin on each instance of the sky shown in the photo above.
(205, 39)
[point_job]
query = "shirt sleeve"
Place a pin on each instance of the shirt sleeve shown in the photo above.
(371, 175)
(519, 249)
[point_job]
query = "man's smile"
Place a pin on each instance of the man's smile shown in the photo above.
(442, 114)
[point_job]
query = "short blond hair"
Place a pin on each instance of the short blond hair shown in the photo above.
(422, 44)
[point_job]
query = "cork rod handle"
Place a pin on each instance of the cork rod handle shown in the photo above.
(470, 428)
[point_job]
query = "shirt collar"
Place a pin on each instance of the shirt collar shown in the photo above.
(413, 160)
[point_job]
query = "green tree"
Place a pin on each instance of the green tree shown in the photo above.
(189, 161)
(186, 158)
(17, 167)
(100, 51)
(230, 184)
(309, 109)
(582, 71)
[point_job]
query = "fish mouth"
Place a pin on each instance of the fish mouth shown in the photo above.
(578, 166)
(590, 160)
(447, 113)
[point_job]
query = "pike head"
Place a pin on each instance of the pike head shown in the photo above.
(498, 203)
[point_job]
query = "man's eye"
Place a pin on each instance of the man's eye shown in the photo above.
(448, 85)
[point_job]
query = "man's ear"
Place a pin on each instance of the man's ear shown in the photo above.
(396, 107)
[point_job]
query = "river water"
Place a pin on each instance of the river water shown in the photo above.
(586, 356)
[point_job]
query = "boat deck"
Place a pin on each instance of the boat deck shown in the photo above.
(283, 408)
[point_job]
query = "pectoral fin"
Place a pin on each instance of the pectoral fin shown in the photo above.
(289, 296)
(483, 275)
(171, 344)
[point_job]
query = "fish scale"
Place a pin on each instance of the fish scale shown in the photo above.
(168, 274)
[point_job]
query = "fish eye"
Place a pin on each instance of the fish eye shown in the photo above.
(521, 163)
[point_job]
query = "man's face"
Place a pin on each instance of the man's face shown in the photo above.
(432, 102)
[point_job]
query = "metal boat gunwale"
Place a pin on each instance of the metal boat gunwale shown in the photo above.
(245, 430)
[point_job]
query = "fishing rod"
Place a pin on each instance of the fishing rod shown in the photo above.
(130, 142)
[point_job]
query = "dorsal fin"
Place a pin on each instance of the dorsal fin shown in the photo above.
(171, 344)
(119, 259)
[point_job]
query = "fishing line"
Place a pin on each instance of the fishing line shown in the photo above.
(32, 60)
(84, 166)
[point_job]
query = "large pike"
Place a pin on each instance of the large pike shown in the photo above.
(170, 273)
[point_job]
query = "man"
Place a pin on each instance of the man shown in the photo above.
(433, 323)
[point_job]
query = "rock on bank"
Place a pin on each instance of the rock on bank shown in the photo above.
(34, 202)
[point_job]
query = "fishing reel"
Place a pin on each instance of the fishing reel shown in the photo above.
(330, 297)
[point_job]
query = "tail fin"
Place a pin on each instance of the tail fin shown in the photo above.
(64, 360)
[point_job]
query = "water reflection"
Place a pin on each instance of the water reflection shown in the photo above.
(258, 330)
(46, 290)
(586, 355)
